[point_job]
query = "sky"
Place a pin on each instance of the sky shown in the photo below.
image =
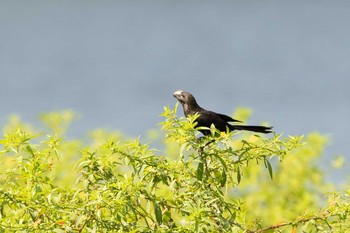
(117, 63)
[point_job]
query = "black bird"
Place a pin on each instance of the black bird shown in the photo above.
(206, 117)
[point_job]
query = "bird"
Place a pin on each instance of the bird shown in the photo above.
(206, 118)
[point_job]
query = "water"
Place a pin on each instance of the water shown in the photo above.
(117, 63)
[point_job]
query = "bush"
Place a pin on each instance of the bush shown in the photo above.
(226, 182)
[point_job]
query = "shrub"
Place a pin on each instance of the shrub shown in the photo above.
(225, 182)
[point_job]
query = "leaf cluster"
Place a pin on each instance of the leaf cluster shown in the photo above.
(205, 184)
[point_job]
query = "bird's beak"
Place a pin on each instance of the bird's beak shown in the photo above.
(177, 94)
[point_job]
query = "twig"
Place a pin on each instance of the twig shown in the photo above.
(287, 224)
(201, 149)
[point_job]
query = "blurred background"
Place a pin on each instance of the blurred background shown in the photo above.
(117, 63)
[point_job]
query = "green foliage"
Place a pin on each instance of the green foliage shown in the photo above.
(226, 182)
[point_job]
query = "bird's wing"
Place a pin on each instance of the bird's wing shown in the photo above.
(227, 118)
(207, 118)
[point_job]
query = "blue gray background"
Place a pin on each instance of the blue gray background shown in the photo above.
(117, 63)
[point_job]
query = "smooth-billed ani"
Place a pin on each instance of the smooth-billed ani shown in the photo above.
(206, 118)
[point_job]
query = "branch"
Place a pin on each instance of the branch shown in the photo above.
(289, 224)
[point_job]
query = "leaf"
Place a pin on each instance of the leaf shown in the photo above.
(223, 178)
(200, 169)
(221, 161)
(175, 107)
(196, 226)
(269, 167)
(213, 130)
(157, 212)
(167, 217)
(30, 150)
(238, 175)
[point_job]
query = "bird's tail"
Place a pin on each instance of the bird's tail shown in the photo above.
(253, 128)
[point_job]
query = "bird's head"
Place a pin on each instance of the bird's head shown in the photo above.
(182, 96)
(185, 98)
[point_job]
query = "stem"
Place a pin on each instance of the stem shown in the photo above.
(288, 224)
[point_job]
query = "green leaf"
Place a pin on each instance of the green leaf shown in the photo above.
(213, 130)
(157, 212)
(30, 150)
(238, 175)
(221, 161)
(269, 167)
(196, 226)
(200, 169)
(223, 178)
